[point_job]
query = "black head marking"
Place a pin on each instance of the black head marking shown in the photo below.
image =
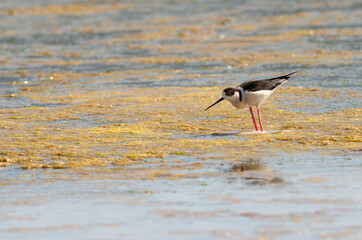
(229, 91)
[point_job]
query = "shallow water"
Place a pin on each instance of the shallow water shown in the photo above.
(315, 198)
(104, 134)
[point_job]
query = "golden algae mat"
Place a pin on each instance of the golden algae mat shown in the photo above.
(137, 125)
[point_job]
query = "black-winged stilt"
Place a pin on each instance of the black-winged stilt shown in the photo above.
(252, 93)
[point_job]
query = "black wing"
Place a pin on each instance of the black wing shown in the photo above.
(265, 84)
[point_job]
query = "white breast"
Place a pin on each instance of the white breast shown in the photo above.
(238, 104)
(256, 98)
(235, 101)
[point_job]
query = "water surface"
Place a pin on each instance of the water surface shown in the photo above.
(104, 134)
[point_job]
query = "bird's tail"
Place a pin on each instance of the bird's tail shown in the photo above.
(286, 76)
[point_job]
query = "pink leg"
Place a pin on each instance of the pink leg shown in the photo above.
(252, 115)
(261, 126)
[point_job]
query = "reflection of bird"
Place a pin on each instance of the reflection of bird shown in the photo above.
(252, 93)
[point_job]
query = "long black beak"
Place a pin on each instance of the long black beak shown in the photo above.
(215, 103)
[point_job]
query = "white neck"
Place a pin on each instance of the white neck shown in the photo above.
(235, 101)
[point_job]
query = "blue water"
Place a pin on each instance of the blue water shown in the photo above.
(61, 34)
(315, 198)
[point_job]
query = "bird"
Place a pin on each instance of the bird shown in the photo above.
(252, 93)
